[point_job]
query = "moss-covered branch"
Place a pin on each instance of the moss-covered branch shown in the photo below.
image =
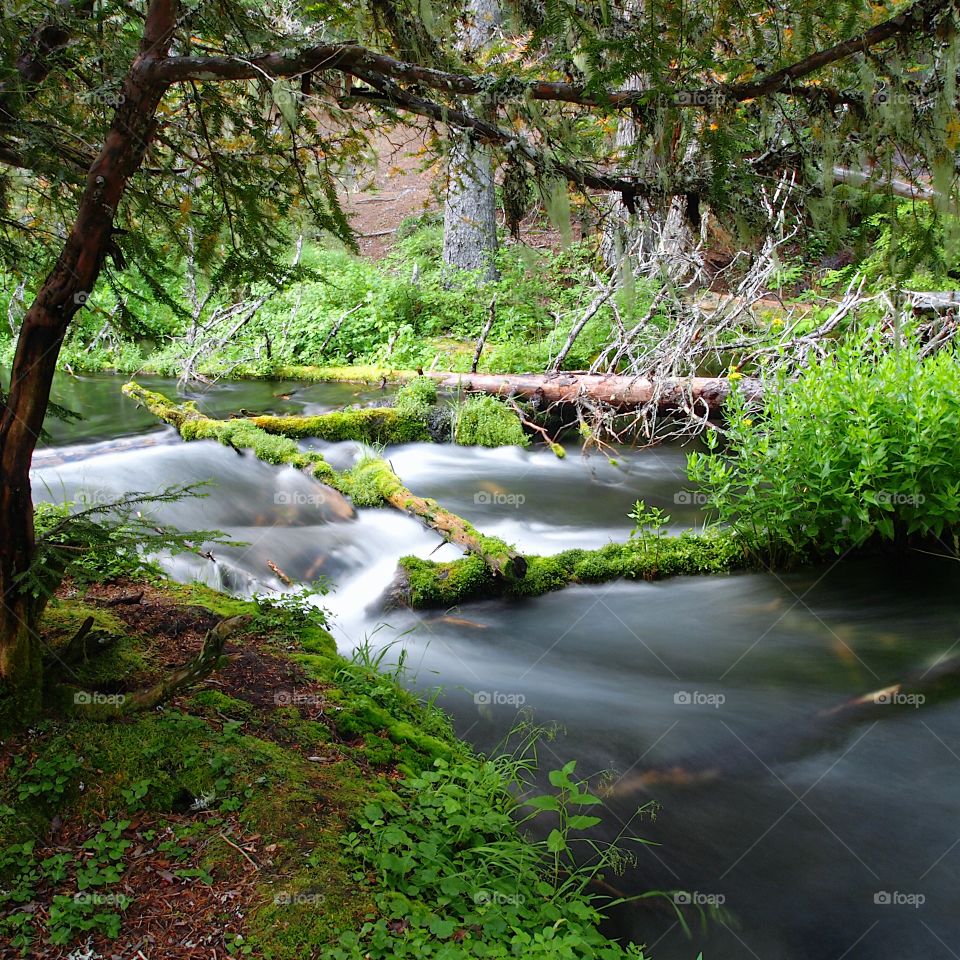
(237, 434)
(426, 584)
(371, 483)
(498, 559)
(369, 425)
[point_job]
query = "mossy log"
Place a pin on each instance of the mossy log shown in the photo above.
(367, 425)
(425, 584)
(499, 559)
(244, 435)
(371, 483)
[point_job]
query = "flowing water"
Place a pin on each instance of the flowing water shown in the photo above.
(820, 840)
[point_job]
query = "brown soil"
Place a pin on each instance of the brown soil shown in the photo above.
(396, 189)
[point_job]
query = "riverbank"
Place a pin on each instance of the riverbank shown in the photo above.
(294, 804)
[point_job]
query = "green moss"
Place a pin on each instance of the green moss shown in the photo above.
(212, 703)
(256, 765)
(366, 425)
(371, 481)
(432, 584)
(417, 398)
(351, 374)
(122, 656)
(199, 595)
(485, 421)
(447, 584)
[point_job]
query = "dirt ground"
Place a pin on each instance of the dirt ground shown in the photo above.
(396, 189)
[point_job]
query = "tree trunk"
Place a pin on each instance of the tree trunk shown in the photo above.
(620, 392)
(45, 325)
(470, 213)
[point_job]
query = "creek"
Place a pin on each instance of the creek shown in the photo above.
(706, 695)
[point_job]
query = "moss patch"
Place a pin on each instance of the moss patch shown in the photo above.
(428, 584)
(179, 790)
(366, 425)
(485, 421)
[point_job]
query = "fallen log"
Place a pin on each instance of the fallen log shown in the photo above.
(241, 435)
(371, 483)
(427, 584)
(619, 392)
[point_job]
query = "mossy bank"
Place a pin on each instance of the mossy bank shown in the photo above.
(295, 804)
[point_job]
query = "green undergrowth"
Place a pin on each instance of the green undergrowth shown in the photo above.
(401, 311)
(375, 832)
(427, 583)
(856, 452)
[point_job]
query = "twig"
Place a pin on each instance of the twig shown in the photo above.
(487, 327)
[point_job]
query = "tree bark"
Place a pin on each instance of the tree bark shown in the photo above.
(63, 293)
(470, 212)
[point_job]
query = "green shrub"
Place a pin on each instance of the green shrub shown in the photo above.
(454, 877)
(861, 446)
(487, 422)
(417, 397)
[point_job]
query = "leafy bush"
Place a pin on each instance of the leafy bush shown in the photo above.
(862, 446)
(454, 877)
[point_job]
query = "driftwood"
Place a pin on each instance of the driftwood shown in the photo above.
(620, 392)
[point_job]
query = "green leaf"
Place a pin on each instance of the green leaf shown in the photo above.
(582, 822)
(546, 801)
(556, 842)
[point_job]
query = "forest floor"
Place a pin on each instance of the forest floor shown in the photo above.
(250, 816)
(243, 780)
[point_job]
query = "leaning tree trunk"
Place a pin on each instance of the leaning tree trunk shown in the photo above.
(44, 327)
(470, 213)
